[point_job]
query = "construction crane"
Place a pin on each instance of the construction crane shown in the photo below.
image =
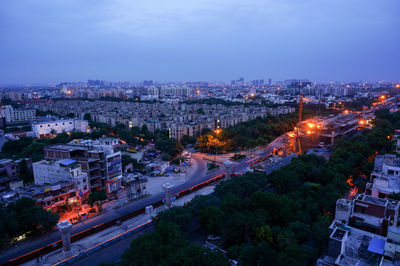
(300, 119)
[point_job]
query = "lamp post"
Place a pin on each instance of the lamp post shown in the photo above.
(217, 131)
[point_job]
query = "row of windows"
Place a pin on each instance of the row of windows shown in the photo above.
(57, 124)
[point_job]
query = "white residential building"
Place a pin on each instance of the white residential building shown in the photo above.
(48, 172)
(12, 115)
(43, 129)
(385, 177)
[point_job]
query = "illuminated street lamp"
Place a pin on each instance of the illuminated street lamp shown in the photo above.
(217, 131)
(382, 97)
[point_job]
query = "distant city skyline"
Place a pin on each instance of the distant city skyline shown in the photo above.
(52, 42)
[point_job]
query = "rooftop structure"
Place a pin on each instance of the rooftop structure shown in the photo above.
(50, 128)
(385, 177)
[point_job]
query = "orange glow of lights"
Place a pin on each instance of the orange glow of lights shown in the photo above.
(69, 92)
(346, 111)
(382, 97)
(388, 137)
(350, 181)
(308, 132)
(362, 122)
(318, 126)
(217, 131)
(397, 86)
(311, 125)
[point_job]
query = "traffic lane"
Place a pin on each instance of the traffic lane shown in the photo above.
(112, 253)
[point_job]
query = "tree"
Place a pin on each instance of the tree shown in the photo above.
(87, 117)
(24, 172)
(211, 219)
(176, 215)
(263, 233)
(97, 197)
(170, 146)
(208, 142)
(23, 216)
(167, 246)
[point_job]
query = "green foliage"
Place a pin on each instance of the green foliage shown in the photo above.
(97, 197)
(212, 219)
(186, 139)
(24, 172)
(259, 131)
(170, 146)
(178, 216)
(126, 159)
(24, 217)
(167, 246)
(87, 117)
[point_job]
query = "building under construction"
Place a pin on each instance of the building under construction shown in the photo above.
(325, 130)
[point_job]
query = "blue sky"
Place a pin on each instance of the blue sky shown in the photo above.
(188, 40)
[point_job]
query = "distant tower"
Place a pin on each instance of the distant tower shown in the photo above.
(167, 188)
(65, 229)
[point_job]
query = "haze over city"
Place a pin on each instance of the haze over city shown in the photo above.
(55, 41)
(200, 133)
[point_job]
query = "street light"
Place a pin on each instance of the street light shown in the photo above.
(217, 131)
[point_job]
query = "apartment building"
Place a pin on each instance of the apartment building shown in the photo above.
(63, 182)
(385, 177)
(97, 158)
(12, 115)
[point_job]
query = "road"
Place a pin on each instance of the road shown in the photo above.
(197, 177)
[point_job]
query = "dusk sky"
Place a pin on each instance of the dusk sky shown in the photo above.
(184, 40)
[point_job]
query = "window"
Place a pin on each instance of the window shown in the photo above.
(390, 172)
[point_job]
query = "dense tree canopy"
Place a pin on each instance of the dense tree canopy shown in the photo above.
(259, 131)
(24, 217)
